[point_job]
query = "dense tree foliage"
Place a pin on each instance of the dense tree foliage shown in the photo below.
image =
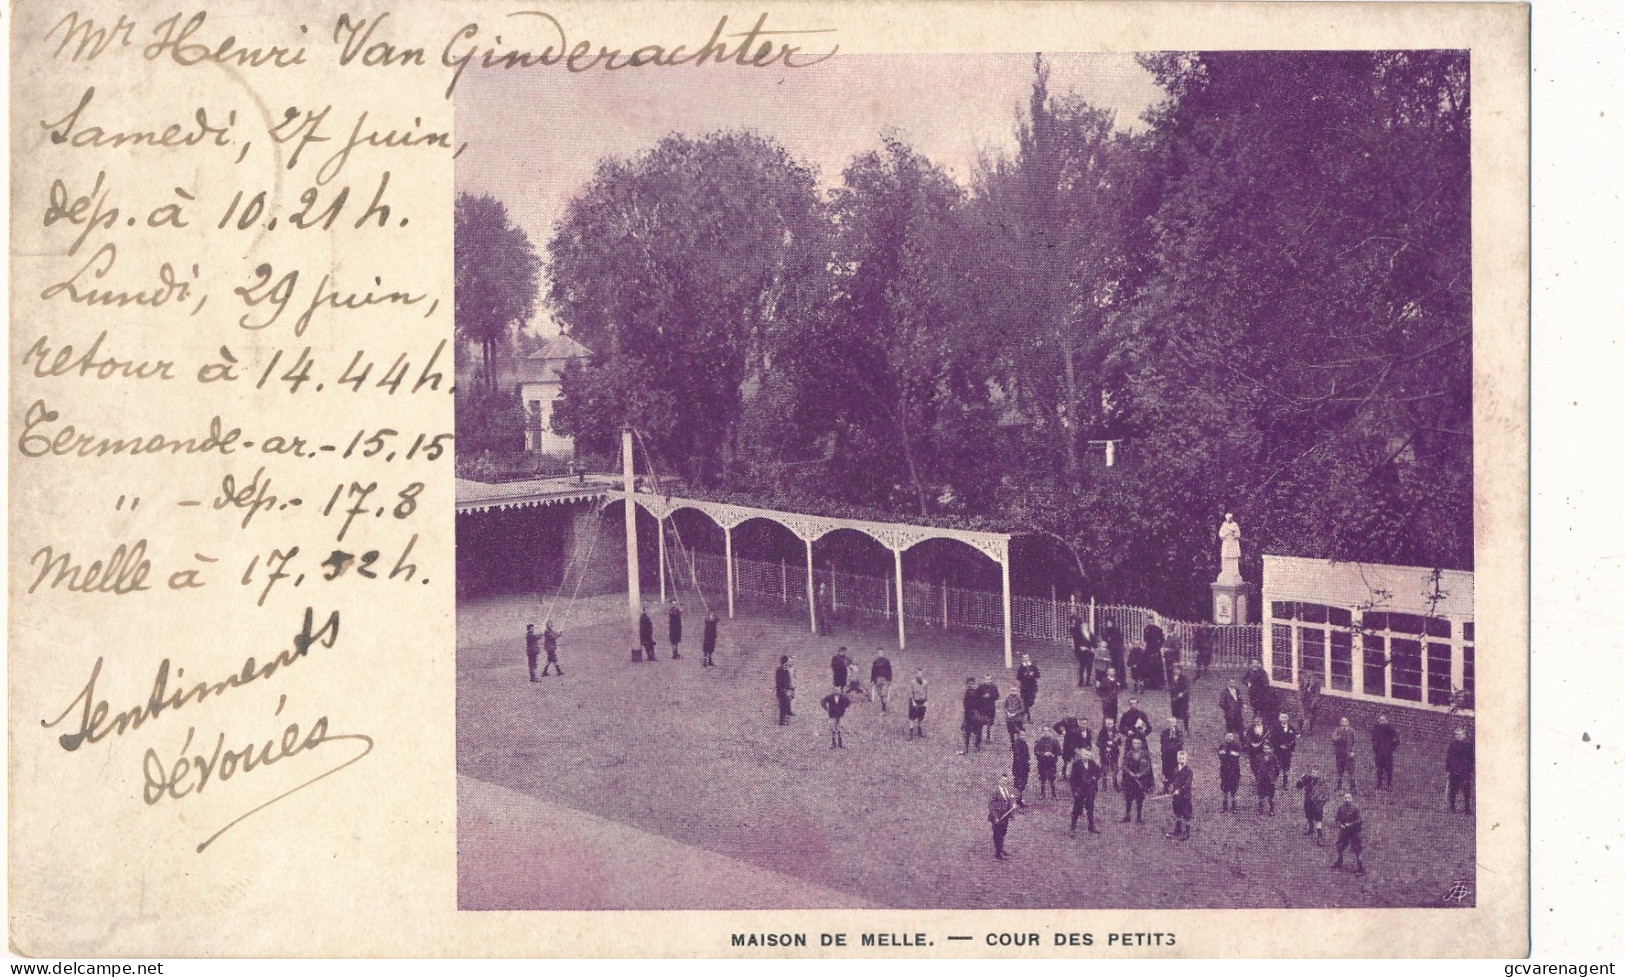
(496, 270)
(686, 259)
(1301, 350)
(1263, 297)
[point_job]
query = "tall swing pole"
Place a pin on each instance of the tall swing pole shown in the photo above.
(812, 594)
(634, 599)
(897, 556)
(660, 538)
(1009, 651)
(728, 558)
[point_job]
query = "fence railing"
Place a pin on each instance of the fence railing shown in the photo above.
(940, 606)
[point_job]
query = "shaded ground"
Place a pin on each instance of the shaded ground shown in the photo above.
(521, 852)
(694, 756)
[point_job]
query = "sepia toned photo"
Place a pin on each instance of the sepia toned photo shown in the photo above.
(968, 481)
(928, 479)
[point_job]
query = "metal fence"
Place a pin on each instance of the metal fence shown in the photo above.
(853, 596)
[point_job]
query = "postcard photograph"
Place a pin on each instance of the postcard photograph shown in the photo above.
(967, 481)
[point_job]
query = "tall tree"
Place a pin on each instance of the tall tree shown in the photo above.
(1059, 220)
(496, 276)
(685, 257)
(1302, 349)
(880, 364)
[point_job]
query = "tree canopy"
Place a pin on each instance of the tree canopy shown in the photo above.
(496, 272)
(1262, 297)
(686, 258)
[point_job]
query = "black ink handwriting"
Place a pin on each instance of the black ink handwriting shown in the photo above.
(95, 724)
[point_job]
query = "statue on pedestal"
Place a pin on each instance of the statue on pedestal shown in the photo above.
(1229, 590)
(1229, 551)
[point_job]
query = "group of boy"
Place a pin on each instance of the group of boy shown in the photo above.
(1119, 752)
(645, 649)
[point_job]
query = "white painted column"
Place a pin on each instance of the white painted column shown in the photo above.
(1426, 640)
(812, 592)
(1009, 627)
(728, 557)
(1458, 654)
(660, 537)
(634, 598)
(902, 641)
(1357, 655)
(1297, 652)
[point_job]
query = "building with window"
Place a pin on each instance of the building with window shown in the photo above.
(537, 379)
(1373, 631)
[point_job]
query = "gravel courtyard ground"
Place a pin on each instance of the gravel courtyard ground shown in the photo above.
(669, 764)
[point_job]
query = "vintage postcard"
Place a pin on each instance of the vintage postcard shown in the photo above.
(905, 480)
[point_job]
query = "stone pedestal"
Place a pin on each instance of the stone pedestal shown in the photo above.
(1229, 603)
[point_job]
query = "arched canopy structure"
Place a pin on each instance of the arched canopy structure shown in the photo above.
(895, 536)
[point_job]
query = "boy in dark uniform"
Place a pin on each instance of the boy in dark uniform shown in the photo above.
(646, 635)
(708, 640)
(1458, 767)
(1183, 787)
(1135, 723)
(1027, 677)
(1231, 707)
(1107, 689)
(1083, 650)
(838, 664)
(1071, 740)
(1179, 697)
(1256, 742)
(880, 680)
(1000, 807)
(987, 706)
(1309, 694)
(1085, 782)
(1113, 638)
(972, 725)
(1348, 834)
(1083, 735)
(1384, 743)
(1154, 637)
(1136, 669)
(1343, 749)
(550, 645)
(1314, 804)
(1260, 694)
(1020, 763)
(533, 648)
(1138, 780)
(1284, 740)
(1230, 753)
(1264, 776)
(1015, 715)
(835, 704)
(1110, 747)
(918, 694)
(674, 628)
(1204, 651)
(1048, 752)
(784, 687)
(1173, 747)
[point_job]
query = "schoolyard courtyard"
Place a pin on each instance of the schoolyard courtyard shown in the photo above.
(667, 785)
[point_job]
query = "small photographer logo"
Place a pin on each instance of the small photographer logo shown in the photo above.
(1460, 893)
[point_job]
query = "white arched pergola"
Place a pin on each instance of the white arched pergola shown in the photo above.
(897, 537)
